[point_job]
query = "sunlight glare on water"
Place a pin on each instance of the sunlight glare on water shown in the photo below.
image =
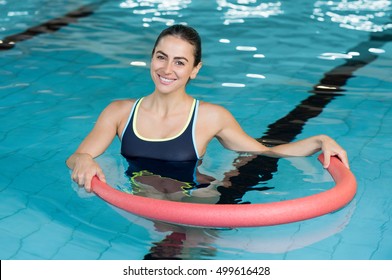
(362, 15)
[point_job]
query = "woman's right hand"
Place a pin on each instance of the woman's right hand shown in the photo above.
(110, 123)
(84, 168)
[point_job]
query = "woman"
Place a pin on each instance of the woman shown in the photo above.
(171, 125)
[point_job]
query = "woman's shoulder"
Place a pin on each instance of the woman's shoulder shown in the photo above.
(210, 109)
(214, 117)
(118, 108)
(120, 103)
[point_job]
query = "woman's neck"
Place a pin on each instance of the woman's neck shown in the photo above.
(164, 104)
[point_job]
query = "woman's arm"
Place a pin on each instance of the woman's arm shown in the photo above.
(82, 162)
(311, 145)
(232, 136)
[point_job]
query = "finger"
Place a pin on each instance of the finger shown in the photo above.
(327, 159)
(78, 179)
(346, 163)
(343, 157)
(101, 176)
(87, 183)
(74, 177)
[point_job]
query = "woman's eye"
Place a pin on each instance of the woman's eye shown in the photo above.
(160, 57)
(179, 62)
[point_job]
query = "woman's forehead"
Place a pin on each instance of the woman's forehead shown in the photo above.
(175, 46)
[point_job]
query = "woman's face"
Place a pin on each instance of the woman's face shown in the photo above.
(172, 64)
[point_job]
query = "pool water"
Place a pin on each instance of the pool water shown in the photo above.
(285, 69)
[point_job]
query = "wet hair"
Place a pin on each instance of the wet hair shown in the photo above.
(186, 33)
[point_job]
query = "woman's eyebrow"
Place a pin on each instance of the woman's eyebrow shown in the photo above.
(177, 57)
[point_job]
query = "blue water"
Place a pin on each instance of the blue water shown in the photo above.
(261, 59)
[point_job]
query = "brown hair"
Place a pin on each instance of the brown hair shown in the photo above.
(186, 33)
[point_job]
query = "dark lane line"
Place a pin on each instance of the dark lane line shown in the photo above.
(329, 87)
(50, 26)
(261, 168)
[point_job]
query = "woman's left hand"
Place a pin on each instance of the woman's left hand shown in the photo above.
(330, 148)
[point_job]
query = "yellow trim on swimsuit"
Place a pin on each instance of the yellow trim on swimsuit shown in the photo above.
(160, 139)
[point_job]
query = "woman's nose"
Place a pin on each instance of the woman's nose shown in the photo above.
(168, 68)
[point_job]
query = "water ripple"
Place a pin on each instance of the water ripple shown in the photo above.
(156, 10)
(363, 15)
(238, 12)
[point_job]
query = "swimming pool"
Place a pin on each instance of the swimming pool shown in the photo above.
(285, 69)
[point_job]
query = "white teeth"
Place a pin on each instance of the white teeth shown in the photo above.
(166, 80)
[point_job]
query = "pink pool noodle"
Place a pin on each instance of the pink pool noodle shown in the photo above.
(237, 215)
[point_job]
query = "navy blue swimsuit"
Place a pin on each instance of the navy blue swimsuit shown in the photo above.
(174, 157)
(179, 148)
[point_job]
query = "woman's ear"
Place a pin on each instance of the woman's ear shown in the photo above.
(196, 70)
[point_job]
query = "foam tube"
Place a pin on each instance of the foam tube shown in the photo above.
(237, 215)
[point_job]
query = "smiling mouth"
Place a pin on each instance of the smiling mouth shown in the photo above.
(165, 81)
